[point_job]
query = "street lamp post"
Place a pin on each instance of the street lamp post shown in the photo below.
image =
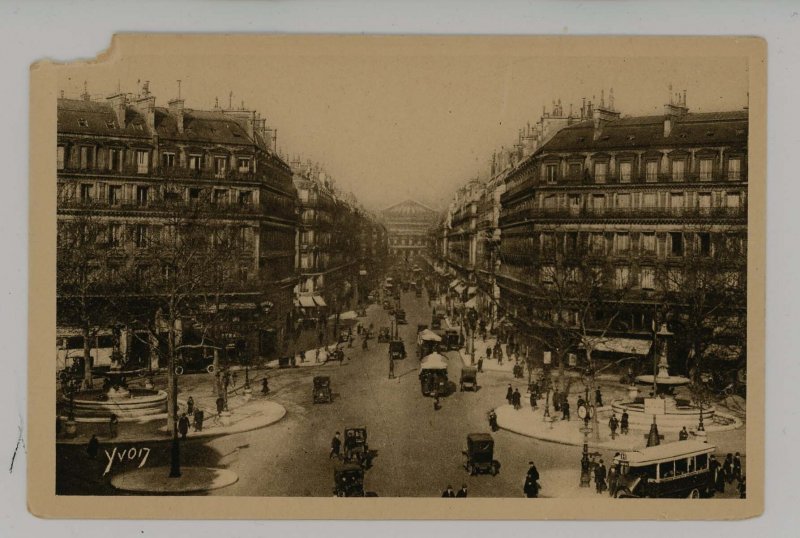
(585, 412)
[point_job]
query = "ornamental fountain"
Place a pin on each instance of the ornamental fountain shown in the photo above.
(127, 403)
(671, 411)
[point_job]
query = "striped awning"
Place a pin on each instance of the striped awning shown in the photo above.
(320, 301)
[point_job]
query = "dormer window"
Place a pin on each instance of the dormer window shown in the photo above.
(734, 169)
(600, 172)
(706, 169)
(678, 169)
(83, 122)
(244, 165)
(550, 173)
(195, 162)
(220, 166)
(168, 160)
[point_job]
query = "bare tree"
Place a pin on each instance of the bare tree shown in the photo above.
(704, 291)
(182, 263)
(83, 278)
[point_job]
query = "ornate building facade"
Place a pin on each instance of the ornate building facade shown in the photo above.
(656, 205)
(407, 226)
(133, 169)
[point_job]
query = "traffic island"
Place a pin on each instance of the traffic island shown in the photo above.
(244, 416)
(157, 480)
(533, 423)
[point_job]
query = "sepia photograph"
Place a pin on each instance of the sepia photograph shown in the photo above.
(317, 267)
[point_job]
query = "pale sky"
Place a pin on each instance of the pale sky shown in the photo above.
(394, 125)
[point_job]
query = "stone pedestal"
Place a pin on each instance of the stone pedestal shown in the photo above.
(70, 428)
(225, 418)
(633, 392)
(247, 394)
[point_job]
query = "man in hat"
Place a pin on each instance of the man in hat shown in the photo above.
(531, 487)
(600, 477)
(336, 444)
(449, 492)
(510, 395)
(463, 491)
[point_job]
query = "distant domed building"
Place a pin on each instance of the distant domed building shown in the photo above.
(407, 224)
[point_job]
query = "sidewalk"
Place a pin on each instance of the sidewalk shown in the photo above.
(157, 480)
(313, 357)
(246, 415)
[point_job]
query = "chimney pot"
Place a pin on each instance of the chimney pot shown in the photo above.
(176, 110)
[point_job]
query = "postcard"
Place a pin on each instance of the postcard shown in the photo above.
(353, 277)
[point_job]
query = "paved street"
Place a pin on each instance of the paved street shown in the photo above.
(418, 449)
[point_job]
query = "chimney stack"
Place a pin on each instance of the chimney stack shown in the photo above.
(602, 115)
(146, 105)
(674, 110)
(176, 111)
(119, 104)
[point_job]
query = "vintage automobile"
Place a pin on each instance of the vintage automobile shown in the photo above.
(433, 375)
(384, 335)
(356, 449)
(450, 339)
(469, 378)
(480, 454)
(400, 316)
(348, 480)
(427, 342)
(322, 389)
(397, 349)
(680, 469)
(195, 363)
(345, 335)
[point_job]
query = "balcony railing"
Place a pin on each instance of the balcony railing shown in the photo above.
(641, 212)
(171, 205)
(168, 172)
(638, 178)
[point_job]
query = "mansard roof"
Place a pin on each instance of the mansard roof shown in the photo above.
(644, 132)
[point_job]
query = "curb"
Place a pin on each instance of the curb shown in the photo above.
(206, 434)
(156, 480)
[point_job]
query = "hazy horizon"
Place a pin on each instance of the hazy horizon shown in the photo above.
(394, 126)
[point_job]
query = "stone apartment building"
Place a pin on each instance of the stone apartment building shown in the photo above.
(131, 166)
(657, 204)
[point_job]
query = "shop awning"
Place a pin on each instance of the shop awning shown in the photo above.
(460, 288)
(472, 303)
(320, 301)
(428, 334)
(434, 361)
(455, 283)
(631, 346)
(242, 307)
(350, 314)
(306, 301)
(472, 290)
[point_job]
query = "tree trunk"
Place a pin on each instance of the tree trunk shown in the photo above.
(217, 389)
(88, 363)
(172, 382)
